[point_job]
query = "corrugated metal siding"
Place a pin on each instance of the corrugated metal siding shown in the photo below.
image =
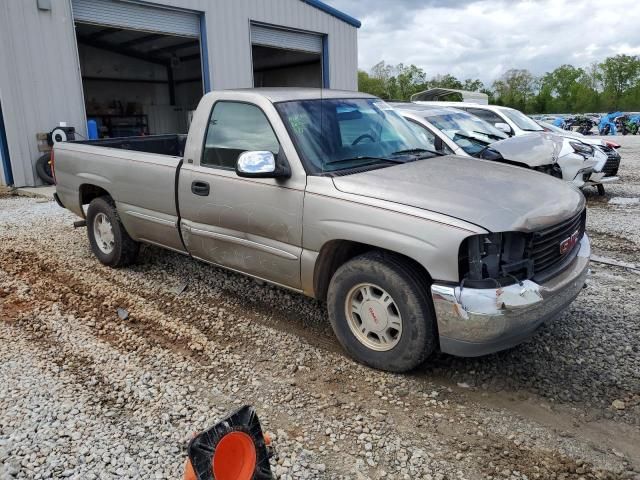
(136, 17)
(39, 79)
(228, 27)
(277, 37)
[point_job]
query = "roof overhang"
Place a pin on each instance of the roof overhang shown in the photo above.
(435, 94)
(354, 22)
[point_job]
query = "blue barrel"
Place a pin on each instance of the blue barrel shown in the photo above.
(92, 129)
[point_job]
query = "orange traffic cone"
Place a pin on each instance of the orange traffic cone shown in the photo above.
(233, 449)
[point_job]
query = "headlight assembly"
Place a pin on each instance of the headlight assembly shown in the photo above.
(582, 148)
(494, 259)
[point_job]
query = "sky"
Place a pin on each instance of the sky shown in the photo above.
(483, 39)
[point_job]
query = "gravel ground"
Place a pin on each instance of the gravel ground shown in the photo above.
(86, 394)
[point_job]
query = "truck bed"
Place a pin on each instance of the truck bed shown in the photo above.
(140, 173)
(172, 144)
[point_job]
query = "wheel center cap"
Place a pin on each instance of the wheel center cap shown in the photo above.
(375, 316)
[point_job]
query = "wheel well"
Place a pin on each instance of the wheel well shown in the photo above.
(335, 253)
(88, 192)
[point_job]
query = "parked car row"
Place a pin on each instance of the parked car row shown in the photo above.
(506, 135)
(612, 123)
(414, 244)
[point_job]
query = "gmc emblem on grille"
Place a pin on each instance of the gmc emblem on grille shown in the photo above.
(567, 244)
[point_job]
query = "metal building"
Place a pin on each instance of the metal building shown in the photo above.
(139, 67)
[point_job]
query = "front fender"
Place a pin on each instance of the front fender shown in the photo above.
(573, 166)
(432, 242)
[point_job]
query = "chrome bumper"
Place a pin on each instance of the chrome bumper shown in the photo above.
(474, 322)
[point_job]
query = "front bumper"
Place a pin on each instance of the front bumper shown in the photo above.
(600, 179)
(474, 322)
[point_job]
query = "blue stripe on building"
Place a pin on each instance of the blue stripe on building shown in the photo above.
(4, 153)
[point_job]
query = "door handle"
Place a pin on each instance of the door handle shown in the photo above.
(200, 188)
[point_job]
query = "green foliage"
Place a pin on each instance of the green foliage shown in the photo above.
(401, 81)
(516, 89)
(613, 84)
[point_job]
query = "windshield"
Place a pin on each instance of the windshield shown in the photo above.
(338, 134)
(468, 131)
(522, 121)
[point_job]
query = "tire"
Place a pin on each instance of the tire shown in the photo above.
(402, 281)
(600, 188)
(43, 169)
(109, 240)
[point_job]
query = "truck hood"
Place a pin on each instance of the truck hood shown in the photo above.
(533, 150)
(491, 195)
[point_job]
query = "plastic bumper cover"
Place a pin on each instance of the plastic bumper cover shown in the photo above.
(474, 322)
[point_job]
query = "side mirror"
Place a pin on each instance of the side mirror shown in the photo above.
(438, 144)
(262, 164)
(503, 127)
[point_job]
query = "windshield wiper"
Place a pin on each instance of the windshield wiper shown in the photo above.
(410, 151)
(471, 137)
(490, 135)
(365, 157)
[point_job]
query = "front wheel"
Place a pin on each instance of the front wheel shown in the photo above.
(381, 312)
(109, 240)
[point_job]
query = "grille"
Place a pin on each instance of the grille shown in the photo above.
(545, 245)
(610, 168)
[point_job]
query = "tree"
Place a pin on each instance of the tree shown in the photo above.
(561, 84)
(613, 84)
(515, 88)
(409, 80)
(397, 82)
(473, 85)
(367, 83)
(445, 81)
(619, 73)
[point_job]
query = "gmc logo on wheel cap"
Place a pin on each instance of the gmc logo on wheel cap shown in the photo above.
(567, 244)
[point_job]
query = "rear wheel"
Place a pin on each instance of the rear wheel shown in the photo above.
(381, 312)
(600, 188)
(109, 240)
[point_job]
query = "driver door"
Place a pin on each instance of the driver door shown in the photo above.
(251, 225)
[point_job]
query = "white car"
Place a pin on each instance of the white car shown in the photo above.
(453, 131)
(610, 170)
(515, 123)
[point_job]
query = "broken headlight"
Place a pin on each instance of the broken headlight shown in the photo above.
(495, 259)
(582, 148)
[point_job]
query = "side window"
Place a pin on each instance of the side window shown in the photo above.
(486, 115)
(235, 128)
(423, 133)
(430, 138)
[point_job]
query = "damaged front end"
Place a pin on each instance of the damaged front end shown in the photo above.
(579, 162)
(511, 282)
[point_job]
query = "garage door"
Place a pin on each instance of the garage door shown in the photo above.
(286, 39)
(124, 14)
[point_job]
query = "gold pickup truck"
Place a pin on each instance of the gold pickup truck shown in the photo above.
(333, 195)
